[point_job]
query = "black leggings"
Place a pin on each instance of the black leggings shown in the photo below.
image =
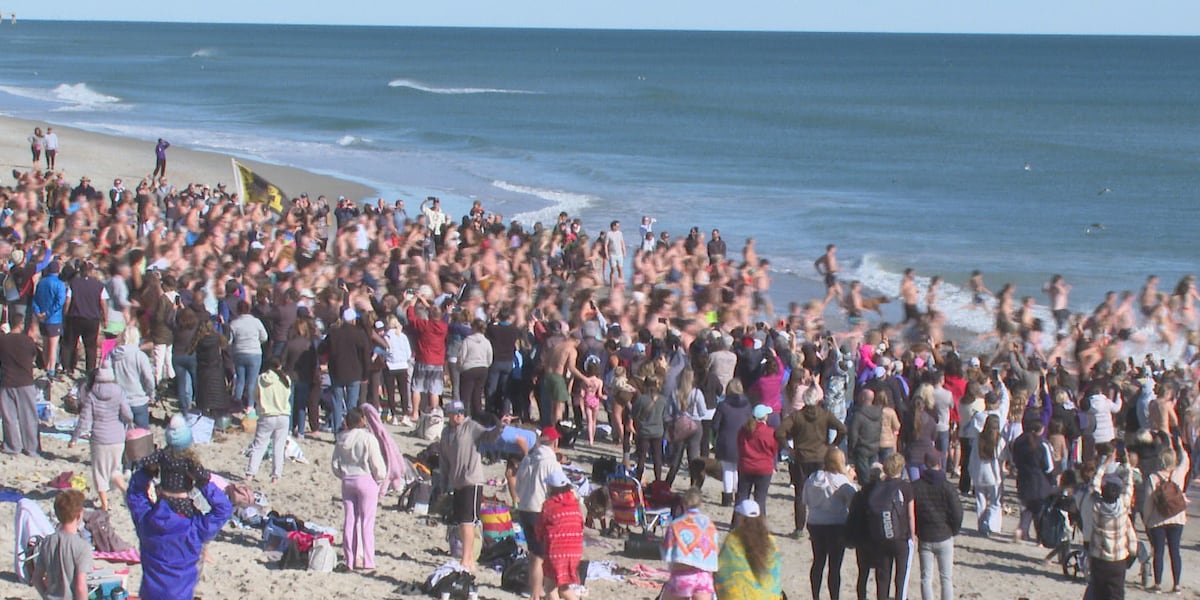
(1166, 537)
(828, 543)
(893, 555)
(394, 381)
(758, 485)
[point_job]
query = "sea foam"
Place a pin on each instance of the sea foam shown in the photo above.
(413, 84)
(560, 201)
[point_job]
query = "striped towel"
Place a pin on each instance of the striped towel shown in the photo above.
(130, 556)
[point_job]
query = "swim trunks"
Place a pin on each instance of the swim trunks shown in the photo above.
(830, 279)
(554, 388)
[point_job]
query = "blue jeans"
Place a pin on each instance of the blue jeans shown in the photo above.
(345, 397)
(300, 391)
(185, 380)
(141, 416)
(245, 371)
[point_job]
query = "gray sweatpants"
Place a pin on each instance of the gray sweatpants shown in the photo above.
(18, 408)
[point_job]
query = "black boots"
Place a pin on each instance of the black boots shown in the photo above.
(726, 499)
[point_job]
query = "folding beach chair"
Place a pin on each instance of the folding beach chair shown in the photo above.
(629, 507)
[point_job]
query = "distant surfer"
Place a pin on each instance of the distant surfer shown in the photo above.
(160, 158)
(1028, 167)
(1103, 191)
(827, 268)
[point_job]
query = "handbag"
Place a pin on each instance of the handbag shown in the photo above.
(682, 428)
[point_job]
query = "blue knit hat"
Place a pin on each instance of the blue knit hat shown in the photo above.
(179, 435)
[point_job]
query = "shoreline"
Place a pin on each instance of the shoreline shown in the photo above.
(105, 157)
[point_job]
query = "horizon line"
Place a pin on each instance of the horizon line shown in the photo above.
(630, 29)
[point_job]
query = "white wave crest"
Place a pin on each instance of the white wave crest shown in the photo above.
(413, 84)
(351, 140)
(560, 201)
(204, 53)
(72, 97)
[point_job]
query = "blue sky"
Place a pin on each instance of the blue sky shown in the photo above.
(1159, 17)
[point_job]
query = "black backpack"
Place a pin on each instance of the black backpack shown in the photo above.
(1052, 523)
(457, 584)
(887, 514)
(515, 577)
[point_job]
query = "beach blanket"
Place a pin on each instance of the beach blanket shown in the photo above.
(394, 479)
(129, 556)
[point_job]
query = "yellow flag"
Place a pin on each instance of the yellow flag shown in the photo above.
(255, 189)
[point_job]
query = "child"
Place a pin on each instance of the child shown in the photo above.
(171, 531)
(591, 390)
(65, 558)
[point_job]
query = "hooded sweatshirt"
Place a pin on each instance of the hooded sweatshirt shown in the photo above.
(865, 429)
(475, 352)
(808, 429)
(827, 496)
(170, 543)
(274, 398)
(134, 374)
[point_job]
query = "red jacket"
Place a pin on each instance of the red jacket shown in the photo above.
(757, 451)
(431, 339)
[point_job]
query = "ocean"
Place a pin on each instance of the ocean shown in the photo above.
(1021, 156)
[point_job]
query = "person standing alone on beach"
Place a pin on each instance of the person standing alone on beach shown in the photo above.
(1059, 292)
(51, 145)
(160, 158)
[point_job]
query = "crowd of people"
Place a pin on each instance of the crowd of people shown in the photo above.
(339, 318)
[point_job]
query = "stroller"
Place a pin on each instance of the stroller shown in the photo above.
(1058, 525)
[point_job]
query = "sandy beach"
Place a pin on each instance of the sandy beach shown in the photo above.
(104, 158)
(409, 548)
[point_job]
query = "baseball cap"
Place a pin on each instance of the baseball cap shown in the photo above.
(557, 478)
(456, 408)
(762, 411)
(550, 434)
(379, 325)
(747, 508)
(349, 315)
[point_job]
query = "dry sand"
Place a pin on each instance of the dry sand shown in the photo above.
(409, 548)
(104, 158)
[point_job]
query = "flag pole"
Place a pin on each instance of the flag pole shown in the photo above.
(237, 179)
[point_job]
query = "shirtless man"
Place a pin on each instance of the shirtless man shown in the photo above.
(1059, 291)
(827, 268)
(556, 394)
(978, 291)
(1149, 298)
(909, 296)
(854, 305)
(762, 291)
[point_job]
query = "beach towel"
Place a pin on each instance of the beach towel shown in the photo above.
(129, 556)
(394, 479)
(31, 522)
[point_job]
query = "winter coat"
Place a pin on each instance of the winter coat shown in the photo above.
(104, 413)
(731, 416)
(937, 507)
(170, 543)
(1034, 463)
(212, 394)
(809, 428)
(865, 428)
